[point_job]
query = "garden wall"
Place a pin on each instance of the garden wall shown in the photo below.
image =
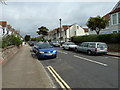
(8, 52)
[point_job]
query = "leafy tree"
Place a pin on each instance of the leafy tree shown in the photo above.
(27, 38)
(97, 23)
(43, 31)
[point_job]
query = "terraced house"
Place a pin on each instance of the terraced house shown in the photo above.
(66, 32)
(6, 29)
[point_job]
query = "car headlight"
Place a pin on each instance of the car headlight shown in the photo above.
(54, 51)
(41, 52)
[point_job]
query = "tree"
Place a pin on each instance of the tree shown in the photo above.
(43, 31)
(27, 38)
(97, 23)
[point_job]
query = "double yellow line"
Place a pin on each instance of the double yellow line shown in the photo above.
(60, 81)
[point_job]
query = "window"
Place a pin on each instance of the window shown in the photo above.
(118, 17)
(75, 32)
(65, 32)
(77, 27)
(92, 45)
(114, 19)
(86, 45)
(114, 31)
(7, 32)
(3, 30)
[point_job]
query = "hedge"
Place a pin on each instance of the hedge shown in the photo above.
(107, 38)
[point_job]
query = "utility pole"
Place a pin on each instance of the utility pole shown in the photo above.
(60, 30)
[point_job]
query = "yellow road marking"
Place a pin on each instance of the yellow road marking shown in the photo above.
(56, 78)
(61, 82)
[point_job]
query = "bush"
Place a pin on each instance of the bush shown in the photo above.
(108, 38)
(11, 40)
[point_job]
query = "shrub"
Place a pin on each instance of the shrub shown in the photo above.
(11, 40)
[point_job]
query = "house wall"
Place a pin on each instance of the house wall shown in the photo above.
(80, 31)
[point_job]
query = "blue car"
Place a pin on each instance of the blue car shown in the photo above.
(45, 50)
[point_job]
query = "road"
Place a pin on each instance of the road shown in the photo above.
(77, 70)
(80, 70)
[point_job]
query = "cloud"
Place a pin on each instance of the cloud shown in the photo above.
(29, 16)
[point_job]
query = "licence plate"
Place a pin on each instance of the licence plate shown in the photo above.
(101, 49)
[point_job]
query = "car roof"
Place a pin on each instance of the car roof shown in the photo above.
(93, 42)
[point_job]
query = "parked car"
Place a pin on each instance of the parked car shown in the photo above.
(55, 44)
(92, 48)
(31, 43)
(45, 50)
(69, 45)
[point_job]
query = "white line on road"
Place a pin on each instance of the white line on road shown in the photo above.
(62, 52)
(116, 57)
(91, 60)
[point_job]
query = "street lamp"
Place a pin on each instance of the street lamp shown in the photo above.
(60, 29)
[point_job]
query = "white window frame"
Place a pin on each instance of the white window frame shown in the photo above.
(112, 18)
(118, 17)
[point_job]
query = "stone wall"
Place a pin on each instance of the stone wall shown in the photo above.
(114, 47)
(7, 53)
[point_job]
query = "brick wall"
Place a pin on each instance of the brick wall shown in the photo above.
(7, 53)
(114, 47)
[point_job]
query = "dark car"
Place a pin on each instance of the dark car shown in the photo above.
(31, 43)
(45, 50)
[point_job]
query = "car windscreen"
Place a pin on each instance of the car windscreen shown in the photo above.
(43, 46)
(101, 45)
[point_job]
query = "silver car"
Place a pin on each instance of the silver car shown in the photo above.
(92, 48)
(69, 45)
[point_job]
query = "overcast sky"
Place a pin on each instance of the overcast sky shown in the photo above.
(29, 16)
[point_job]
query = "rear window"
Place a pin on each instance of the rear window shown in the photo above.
(101, 45)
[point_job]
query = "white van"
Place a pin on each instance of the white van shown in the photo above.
(92, 48)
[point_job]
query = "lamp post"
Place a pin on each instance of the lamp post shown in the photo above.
(60, 30)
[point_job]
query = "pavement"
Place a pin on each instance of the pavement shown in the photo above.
(111, 53)
(24, 70)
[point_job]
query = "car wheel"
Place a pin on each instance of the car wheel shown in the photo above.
(76, 50)
(89, 52)
(55, 56)
(69, 48)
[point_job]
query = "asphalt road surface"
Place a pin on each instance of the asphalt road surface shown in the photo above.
(80, 70)
(71, 69)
